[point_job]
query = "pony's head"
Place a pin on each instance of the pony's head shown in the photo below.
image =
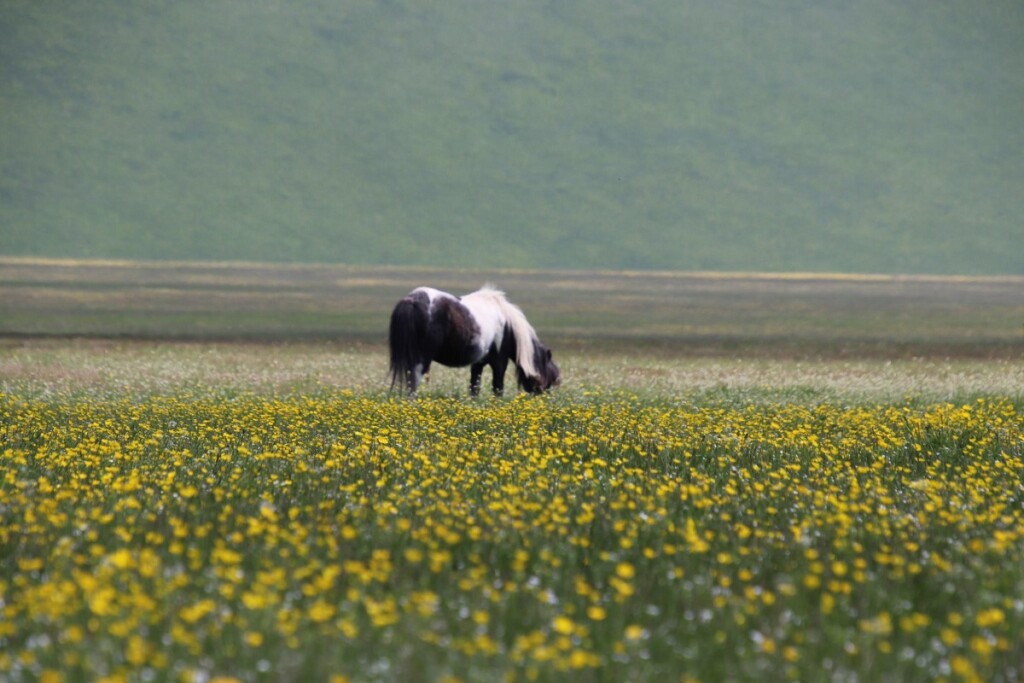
(548, 374)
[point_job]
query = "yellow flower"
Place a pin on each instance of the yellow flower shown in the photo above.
(881, 624)
(321, 611)
(138, 651)
(563, 625)
(963, 668)
(987, 618)
(580, 659)
(193, 613)
(122, 559)
(635, 632)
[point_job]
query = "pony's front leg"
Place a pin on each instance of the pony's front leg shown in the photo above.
(475, 372)
(498, 368)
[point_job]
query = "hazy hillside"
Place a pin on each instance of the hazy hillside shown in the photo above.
(803, 135)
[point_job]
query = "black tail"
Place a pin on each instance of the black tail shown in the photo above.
(405, 337)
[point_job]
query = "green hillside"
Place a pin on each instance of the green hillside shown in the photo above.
(804, 135)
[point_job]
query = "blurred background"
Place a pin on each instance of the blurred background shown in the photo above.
(804, 135)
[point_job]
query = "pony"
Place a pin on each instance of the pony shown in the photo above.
(479, 329)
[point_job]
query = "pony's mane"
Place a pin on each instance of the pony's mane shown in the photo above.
(522, 330)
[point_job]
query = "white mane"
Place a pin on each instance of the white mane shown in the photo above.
(522, 330)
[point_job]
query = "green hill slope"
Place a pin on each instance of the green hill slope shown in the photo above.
(806, 135)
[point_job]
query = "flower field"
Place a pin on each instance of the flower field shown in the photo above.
(582, 536)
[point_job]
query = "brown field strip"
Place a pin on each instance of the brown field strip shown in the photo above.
(790, 314)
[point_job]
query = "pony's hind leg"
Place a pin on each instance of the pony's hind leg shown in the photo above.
(475, 372)
(414, 377)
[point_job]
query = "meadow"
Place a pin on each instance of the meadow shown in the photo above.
(264, 510)
(227, 512)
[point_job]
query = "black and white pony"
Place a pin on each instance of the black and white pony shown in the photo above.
(479, 329)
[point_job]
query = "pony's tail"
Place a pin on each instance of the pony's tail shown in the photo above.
(408, 326)
(522, 330)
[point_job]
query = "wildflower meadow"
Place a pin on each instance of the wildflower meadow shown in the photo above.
(587, 535)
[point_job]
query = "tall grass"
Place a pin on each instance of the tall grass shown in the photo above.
(110, 368)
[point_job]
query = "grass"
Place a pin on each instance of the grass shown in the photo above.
(87, 368)
(196, 534)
